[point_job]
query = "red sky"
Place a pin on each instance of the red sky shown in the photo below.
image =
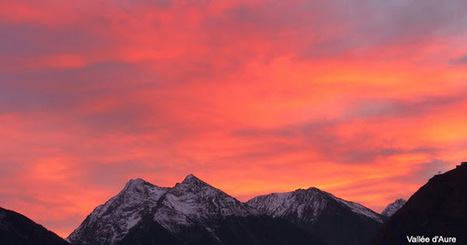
(363, 99)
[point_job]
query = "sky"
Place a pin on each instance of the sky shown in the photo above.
(363, 99)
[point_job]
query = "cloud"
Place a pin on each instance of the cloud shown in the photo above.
(460, 60)
(413, 107)
(353, 97)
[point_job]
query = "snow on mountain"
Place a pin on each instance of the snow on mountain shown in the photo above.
(196, 202)
(359, 209)
(192, 202)
(305, 204)
(331, 219)
(196, 211)
(193, 212)
(300, 203)
(393, 207)
(110, 222)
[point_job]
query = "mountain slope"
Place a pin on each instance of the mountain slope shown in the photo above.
(439, 208)
(110, 222)
(254, 230)
(393, 207)
(16, 229)
(329, 218)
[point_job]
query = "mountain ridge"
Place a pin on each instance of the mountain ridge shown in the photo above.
(438, 208)
(17, 229)
(332, 219)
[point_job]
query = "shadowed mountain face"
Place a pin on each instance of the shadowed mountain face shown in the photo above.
(16, 229)
(439, 208)
(224, 230)
(333, 220)
(192, 212)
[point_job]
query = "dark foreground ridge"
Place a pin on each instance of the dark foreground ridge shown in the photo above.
(16, 229)
(439, 208)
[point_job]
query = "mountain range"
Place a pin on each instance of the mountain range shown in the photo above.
(194, 212)
(191, 212)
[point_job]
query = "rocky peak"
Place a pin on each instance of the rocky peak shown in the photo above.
(195, 201)
(136, 185)
(191, 180)
(136, 182)
(194, 186)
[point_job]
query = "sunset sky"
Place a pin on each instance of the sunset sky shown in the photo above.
(363, 99)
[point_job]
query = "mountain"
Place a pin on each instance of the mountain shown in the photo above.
(393, 207)
(439, 208)
(191, 212)
(110, 222)
(194, 201)
(333, 220)
(16, 229)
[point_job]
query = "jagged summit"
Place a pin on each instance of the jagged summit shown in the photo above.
(195, 201)
(137, 181)
(308, 189)
(193, 180)
(191, 176)
(136, 184)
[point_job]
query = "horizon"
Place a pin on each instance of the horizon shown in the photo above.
(243, 199)
(361, 99)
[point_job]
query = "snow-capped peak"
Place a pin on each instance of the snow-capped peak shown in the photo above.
(299, 203)
(305, 204)
(393, 207)
(191, 177)
(136, 182)
(191, 180)
(195, 201)
(110, 222)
